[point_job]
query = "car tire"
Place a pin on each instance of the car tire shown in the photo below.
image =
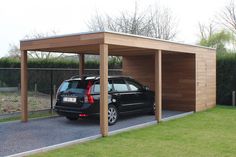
(72, 118)
(112, 114)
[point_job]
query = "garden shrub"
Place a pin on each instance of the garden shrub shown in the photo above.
(226, 77)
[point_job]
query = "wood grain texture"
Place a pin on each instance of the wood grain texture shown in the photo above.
(158, 85)
(178, 78)
(149, 43)
(104, 89)
(118, 43)
(24, 87)
(140, 68)
(206, 80)
(179, 82)
(70, 41)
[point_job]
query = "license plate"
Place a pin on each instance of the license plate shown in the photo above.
(67, 99)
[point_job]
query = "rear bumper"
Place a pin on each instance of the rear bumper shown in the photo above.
(75, 111)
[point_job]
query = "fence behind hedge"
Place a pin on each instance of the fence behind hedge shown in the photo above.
(42, 71)
(44, 78)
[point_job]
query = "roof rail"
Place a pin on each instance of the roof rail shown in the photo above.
(79, 76)
(76, 76)
(121, 76)
(83, 76)
(96, 76)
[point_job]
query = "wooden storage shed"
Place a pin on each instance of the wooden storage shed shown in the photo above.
(183, 76)
(188, 80)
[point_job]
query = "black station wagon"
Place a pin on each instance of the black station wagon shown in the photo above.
(80, 97)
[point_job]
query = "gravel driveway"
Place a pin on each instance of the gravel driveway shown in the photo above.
(16, 137)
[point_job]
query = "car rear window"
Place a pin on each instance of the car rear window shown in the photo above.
(75, 86)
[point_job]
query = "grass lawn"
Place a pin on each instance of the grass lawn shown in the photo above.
(211, 133)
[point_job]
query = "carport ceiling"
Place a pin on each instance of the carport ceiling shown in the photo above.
(119, 44)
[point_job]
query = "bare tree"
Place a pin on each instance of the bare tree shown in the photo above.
(163, 24)
(152, 22)
(206, 31)
(228, 17)
(211, 37)
(14, 50)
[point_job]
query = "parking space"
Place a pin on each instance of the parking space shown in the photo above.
(19, 137)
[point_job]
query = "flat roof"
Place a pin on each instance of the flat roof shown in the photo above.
(87, 42)
(127, 34)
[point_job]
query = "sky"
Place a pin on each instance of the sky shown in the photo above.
(21, 17)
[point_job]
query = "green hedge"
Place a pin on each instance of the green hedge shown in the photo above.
(55, 63)
(226, 77)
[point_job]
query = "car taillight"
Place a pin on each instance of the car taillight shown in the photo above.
(89, 98)
(83, 115)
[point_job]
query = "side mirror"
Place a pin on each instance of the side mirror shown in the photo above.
(146, 88)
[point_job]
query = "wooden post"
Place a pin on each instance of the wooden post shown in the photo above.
(104, 89)
(158, 85)
(81, 65)
(24, 87)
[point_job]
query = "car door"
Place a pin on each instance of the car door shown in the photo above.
(96, 91)
(121, 95)
(139, 98)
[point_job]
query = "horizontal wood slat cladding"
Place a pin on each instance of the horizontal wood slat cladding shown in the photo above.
(118, 43)
(140, 68)
(59, 42)
(206, 80)
(178, 78)
(179, 82)
(149, 43)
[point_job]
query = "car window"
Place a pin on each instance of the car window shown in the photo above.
(120, 85)
(134, 86)
(96, 87)
(74, 86)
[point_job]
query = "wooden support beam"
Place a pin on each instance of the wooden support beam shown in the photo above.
(104, 89)
(158, 85)
(24, 87)
(81, 64)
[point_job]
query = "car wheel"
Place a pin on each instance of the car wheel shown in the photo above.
(112, 114)
(72, 118)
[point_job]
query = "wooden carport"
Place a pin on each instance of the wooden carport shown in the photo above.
(202, 80)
